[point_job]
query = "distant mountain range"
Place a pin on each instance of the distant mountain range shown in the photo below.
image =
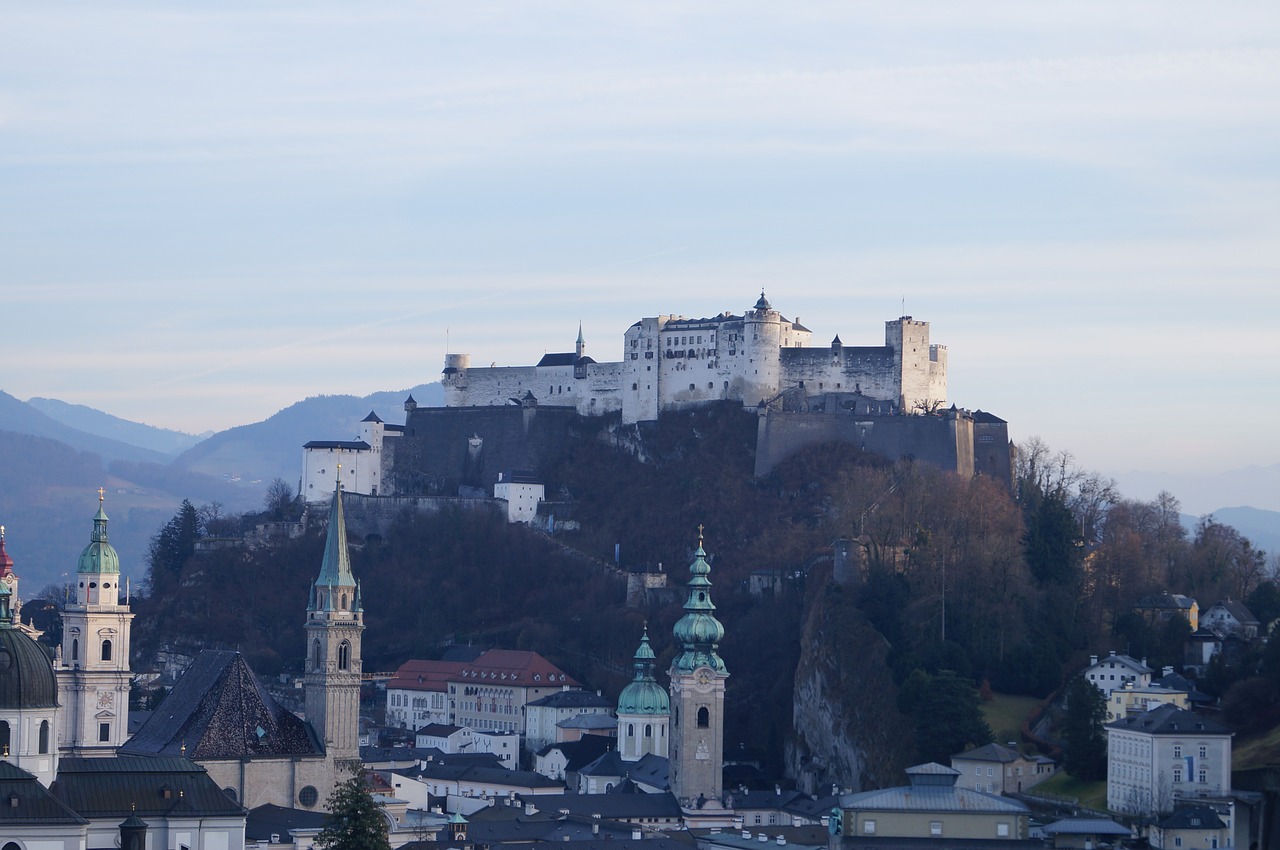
(1203, 493)
(55, 455)
(1261, 527)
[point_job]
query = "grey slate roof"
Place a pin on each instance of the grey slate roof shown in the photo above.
(219, 711)
(581, 752)
(931, 798)
(612, 806)
(1193, 817)
(1086, 826)
(484, 775)
(35, 805)
(151, 786)
(589, 722)
(1170, 720)
(266, 821)
(990, 752)
(573, 699)
(353, 445)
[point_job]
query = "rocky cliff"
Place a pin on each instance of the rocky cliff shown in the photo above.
(847, 729)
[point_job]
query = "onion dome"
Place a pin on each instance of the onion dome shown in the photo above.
(26, 674)
(644, 695)
(99, 556)
(699, 632)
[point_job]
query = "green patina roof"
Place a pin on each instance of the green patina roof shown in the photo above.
(99, 556)
(644, 695)
(335, 568)
(699, 632)
(26, 674)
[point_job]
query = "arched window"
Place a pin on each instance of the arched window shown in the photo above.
(315, 655)
(75, 649)
(344, 655)
(106, 650)
(648, 730)
(44, 736)
(343, 606)
(704, 718)
(631, 730)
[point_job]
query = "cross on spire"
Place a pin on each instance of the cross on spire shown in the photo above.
(102, 494)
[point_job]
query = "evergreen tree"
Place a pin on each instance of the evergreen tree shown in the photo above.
(1086, 754)
(948, 719)
(174, 544)
(353, 822)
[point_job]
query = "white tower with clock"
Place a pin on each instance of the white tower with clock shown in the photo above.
(697, 697)
(93, 664)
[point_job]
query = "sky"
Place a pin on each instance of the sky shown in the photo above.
(209, 211)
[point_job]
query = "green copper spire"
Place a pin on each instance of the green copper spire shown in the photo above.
(99, 556)
(698, 631)
(644, 695)
(335, 569)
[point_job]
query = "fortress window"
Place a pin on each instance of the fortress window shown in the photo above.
(648, 355)
(726, 385)
(635, 386)
(634, 355)
(691, 386)
(711, 385)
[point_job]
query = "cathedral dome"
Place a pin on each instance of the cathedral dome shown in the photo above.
(644, 695)
(26, 673)
(99, 556)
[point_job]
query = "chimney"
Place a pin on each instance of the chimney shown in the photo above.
(782, 841)
(1093, 660)
(1168, 670)
(530, 809)
(636, 834)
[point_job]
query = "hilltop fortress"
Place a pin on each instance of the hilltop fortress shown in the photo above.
(888, 399)
(674, 363)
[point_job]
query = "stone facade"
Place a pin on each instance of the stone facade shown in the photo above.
(671, 362)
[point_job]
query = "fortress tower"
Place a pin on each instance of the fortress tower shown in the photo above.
(335, 621)
(698, 677)
(93, 673)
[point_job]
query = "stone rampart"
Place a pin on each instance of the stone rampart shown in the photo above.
(946, 441)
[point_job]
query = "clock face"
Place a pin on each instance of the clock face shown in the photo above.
(704, 676)
(106, 699)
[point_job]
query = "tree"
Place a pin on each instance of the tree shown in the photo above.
(354, 821)
(948, 719)
(279, 500)
(1086, 754)
(174, 544)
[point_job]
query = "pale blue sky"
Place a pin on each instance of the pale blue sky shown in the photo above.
(211, 210)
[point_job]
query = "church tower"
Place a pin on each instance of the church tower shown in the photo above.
(335, 620)
(644, 711)
(93, 666)
(697, 696)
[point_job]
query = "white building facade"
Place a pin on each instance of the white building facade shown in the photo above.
(672, 362)
(1164, 756)
(363, 463)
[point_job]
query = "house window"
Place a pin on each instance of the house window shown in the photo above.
(1204, 752)
(1002, 830)
(106, 650)
(869, 827)
(1177, 752)
(104, 732)
(1204, 776)
(935, 827)
(1177, 774)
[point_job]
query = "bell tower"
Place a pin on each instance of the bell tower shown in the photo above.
(335, 621)
(93, 665)
(698, 677)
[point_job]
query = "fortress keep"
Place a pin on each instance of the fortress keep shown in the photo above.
(673, 363)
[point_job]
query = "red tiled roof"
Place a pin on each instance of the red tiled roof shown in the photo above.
(518, 667)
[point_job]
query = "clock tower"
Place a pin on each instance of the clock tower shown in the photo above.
(697, 696)
(335, 622)
(93, 661)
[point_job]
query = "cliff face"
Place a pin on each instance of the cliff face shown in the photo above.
(847, 729)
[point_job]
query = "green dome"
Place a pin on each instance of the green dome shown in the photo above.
(99, 556)
(698, 631)
(26, 674)
(644, 695)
